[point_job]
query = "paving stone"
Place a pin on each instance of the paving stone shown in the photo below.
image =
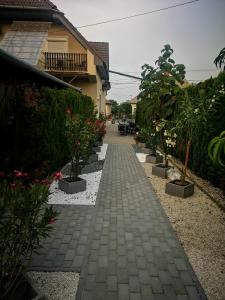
(156, 285)
(134, 285)
(146, 293)
(123, 292)
(112, 283)
(135, 296)
(122, 275)
(124, 247)
(101, 275)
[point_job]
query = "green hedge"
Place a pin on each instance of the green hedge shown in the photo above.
(199, 159)
(32, 126)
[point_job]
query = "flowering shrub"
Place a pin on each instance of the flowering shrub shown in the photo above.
(24, 220)
(79, 136)
(167, 137)
(99, 130)
(150, 137)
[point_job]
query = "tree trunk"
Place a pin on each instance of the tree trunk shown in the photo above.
(186, 161)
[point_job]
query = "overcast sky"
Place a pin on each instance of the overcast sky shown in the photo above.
(195, 31)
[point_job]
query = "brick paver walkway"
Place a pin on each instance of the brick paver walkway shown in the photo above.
(124, 247)
(133, 252)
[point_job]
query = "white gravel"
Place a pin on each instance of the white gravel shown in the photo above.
(102, 154)
(56, 285)
(200, 226)
(87, 197)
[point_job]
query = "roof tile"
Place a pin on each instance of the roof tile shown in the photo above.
(29, 3)
(102, 49)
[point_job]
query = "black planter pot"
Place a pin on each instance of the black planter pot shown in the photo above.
(146, 150)
(98, 144)
(26, 290)
(160, 170)
(96, 149)
(174, 188)
(71, 187)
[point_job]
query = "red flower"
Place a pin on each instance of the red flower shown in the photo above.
(57, 176)
(18, 173)
(69, 110)
(2, 174)
(51, 221)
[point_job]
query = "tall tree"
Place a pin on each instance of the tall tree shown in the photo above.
(115, 107)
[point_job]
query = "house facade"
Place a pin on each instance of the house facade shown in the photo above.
(133, 103)
(36, 32)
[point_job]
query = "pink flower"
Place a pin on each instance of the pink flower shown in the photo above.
(77, 143)
(13, 185)
(69, 110)
(57, 176)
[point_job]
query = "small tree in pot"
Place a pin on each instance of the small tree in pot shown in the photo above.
(79, 138)
(159, 87)
(167, 141)
(191, 115)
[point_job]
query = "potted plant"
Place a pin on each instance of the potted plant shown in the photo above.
(158, 89)
(100, 131)
(167, 142)
(78, 140)
(154, 157)
(24, 220)
(145, 135)
(191, 115)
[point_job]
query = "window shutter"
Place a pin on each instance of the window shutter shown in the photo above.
(58, 46)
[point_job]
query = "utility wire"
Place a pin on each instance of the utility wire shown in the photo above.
(194, 70)
(138, 15)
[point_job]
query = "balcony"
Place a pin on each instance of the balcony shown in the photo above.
(65, 62)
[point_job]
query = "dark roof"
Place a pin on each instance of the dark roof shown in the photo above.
(102, 49)
(21, 69)
(29, 3)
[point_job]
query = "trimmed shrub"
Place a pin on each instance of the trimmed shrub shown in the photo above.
(32, 126)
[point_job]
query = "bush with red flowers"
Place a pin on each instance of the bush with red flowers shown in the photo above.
(99, 130)
(79, 136)
(24, 220)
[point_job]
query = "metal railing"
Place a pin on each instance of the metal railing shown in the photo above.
(65, 62)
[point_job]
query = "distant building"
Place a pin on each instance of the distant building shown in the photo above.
(108, 108)
(133, 103)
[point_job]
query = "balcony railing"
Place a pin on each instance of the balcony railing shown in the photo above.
(65, 62)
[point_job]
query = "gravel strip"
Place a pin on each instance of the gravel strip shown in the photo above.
(56, 285)
(200, 226)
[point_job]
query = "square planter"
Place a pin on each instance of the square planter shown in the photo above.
(146, 150)
(160, 170)
(98, 143)
(25, 290)
(154, 159)
(96, 149)
(182, 191)
(141, 145)
(72, 187)
(93, 158)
